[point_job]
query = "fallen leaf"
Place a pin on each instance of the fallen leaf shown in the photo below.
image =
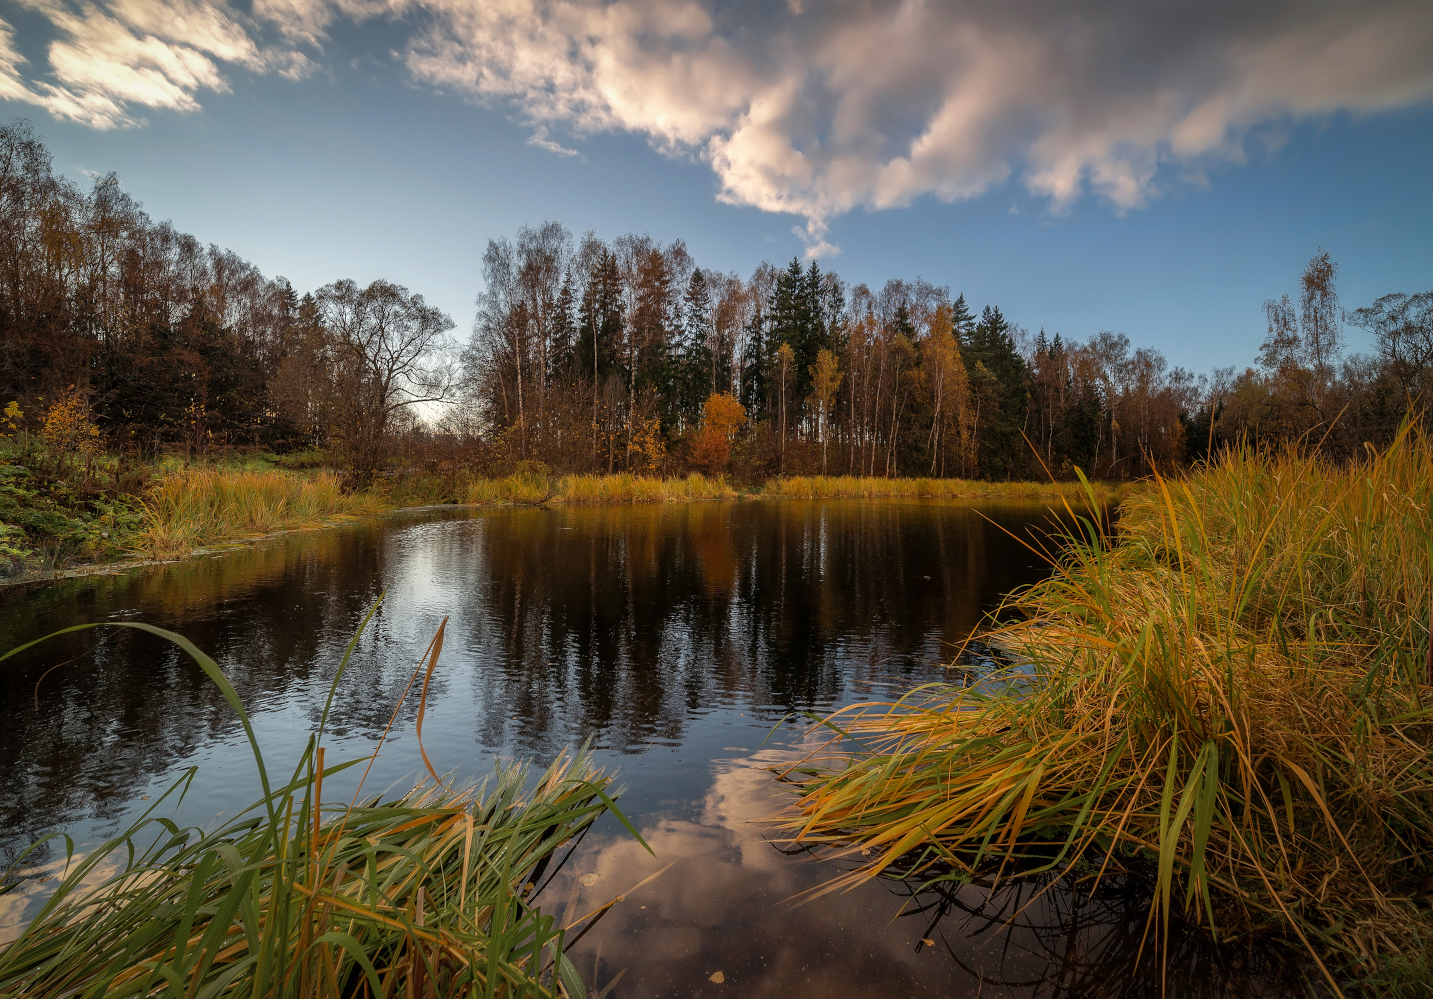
(588, 879)
(717, 977)
(928, 941)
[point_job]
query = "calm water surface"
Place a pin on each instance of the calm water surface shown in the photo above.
(685, 642)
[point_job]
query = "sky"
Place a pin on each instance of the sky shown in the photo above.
(1151, 167)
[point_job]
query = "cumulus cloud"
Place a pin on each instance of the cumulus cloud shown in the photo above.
(847, 105)
(12, 82)
(106, 60)
(815, 108)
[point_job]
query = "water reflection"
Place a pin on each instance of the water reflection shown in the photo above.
(624, 620)
(727, 905)
(674, 637)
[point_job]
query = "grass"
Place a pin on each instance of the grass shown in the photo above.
(623, 488)
(189, 509)
(173, 510)
(598, 489)
(1234, 698)
(866, 487)
(424, 896)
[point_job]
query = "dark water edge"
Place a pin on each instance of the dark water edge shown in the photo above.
(687, 642)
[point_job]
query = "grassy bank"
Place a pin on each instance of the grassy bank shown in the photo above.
(190, 509)
(622, 488)
(55, 514)
(1233, 699)
(598, 489)
(860, 487)
(427, 895)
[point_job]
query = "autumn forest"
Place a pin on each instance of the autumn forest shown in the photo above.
(593, 355)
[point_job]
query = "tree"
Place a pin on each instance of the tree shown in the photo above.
(796, 317)
(1299, 354)
(1319, 317)
(949, 388)
(697, 361)
(382, 339)
(991, 346)
(1402, 328)
(825, 380)
(785, 357)
(722, 417)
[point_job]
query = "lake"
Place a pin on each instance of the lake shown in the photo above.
(689, 643)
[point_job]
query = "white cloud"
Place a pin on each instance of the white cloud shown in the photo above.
(541, 140)
(876, 104)
(109, 59)
(12, 81)
(813, 109)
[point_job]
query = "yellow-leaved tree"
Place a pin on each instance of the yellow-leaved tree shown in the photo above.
(68, 428)
(951, 422)
(825, 380)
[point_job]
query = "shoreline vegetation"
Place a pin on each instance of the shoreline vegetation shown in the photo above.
(1233, 699)
(430, 894)
(86, 520)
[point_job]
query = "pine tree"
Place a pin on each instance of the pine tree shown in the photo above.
(992, 348)
(600, 326)
(561, 336)
(697, 360)
(962, 321)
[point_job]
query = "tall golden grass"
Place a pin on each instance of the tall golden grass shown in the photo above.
(867, 487)
(189, 509)
(598, 489)
(1235, 696)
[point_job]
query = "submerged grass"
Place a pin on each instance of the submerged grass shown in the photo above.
(189, 509)
(428, 895)
(866, 487)
(1234, 697)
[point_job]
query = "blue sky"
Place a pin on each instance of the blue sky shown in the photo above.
(383, 152)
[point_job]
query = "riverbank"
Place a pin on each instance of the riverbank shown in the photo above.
(66, 523)
(1234, 701)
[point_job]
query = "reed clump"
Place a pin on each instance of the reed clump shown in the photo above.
(1234, 698)
(594, 489)
(870, 487)
(188, 509)
(526, 488)
(428, 895)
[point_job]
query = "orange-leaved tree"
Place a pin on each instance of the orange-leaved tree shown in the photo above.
(722, 417)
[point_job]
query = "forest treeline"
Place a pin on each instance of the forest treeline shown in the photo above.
(117, 331)
(626, 355)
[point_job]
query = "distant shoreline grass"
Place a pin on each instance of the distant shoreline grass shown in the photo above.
(195, 508)
(187, 509)
(865, 487)
(1238, 694)
(579, 490)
